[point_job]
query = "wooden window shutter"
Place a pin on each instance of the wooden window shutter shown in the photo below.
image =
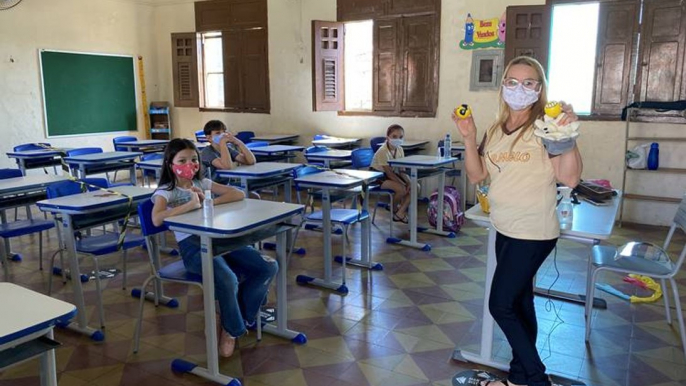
(617, 28)
(420, 65)
(214, 15)
(327, 66)
(385, 71)
(231, 44)
(255, 70)
(661, 60)
(528, 33)
(185, 69)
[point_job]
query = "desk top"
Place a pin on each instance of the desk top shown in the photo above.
(339, 179)
(144, 142)
(589, 221)
(259, 170)
(25, 312)
(27, 183)
(275, 137)
(411, 145)
(34, 153)
(151, 164)
(330, 154)
(103, 157)
(335, 142)
(422, 161)
(272, 149)
(95, 200)
(234, 219)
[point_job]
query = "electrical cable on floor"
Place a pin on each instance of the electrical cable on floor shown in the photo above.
(550, 305)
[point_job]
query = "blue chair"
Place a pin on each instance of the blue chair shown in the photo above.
(245, 136)
(315, 149)
(362, 159)
(251, 145)
(376, 143)
(126, 138)
(174, 272)
(21, 227)
(200, 136)
(100, 245)
(148, 173)
(317, 137)
(96, 168)
(35, 163)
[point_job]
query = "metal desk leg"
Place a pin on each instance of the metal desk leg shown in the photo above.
(281, 328)
(81, 324)
(48, 369)
(413, 218)
(132, 174)
(210, 373)
(365, 260)
(22, 166)
(326, 226)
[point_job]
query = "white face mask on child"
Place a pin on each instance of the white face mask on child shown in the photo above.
(395, 142)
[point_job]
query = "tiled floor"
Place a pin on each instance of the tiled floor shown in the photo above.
(398, 326)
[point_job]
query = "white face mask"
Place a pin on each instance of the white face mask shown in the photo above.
(519, 97)
(396, 142)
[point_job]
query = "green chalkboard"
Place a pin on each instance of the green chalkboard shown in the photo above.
(88, 93)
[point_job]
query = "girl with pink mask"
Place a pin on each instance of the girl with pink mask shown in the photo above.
(181, 189)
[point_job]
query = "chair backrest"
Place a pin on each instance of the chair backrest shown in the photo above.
(304, 171)
(320, 136)
(31, 146)
(145, 216)
(680, 217)
(362, 158)
(68, 188)
(245, 136)
(200, 136)
(83, 151)
(126, 138)
(256, 144)
(151, 156)
(376, 143)
(10, 173)
(315, 149)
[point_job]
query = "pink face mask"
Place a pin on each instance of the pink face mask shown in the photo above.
(186, 171)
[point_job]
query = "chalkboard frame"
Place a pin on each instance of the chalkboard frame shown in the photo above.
(133, 124)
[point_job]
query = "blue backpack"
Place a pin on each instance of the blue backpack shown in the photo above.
(453, 217)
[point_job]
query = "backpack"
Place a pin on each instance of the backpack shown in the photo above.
(453, 217)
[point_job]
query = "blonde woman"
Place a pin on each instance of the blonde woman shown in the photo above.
(523, 169)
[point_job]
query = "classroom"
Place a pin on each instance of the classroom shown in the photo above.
(314, 99)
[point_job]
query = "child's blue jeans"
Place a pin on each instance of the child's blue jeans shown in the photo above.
(241, 280)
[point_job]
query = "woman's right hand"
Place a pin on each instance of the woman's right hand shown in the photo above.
(465, 126)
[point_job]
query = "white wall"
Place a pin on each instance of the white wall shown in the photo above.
(124, 27)
(103, 26)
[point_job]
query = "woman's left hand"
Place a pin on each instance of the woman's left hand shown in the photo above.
(568, 115)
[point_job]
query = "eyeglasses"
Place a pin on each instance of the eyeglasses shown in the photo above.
(529, 84)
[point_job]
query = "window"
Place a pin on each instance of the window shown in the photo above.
(572, 55)
(213, 69)
(224, 64)
(637, 53)
(358, 65)
(381, 58)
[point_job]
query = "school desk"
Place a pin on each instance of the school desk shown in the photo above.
(329, 156)
(122, 159)
(277, 152)
(274, 139)
(146, 145)
(262, 175)
(33, 155)
(337, 143)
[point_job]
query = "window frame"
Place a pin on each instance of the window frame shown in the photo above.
(204, 72)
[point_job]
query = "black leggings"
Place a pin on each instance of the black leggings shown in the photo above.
(512, 304)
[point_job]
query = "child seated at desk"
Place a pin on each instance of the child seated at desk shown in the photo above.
(241, 277)
(396, 181)
(225, 151)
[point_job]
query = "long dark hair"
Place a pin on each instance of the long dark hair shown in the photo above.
(173, 148)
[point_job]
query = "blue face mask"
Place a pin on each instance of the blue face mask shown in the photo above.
(217, 138)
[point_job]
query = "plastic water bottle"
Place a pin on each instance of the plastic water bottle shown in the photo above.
(208, 206)
(438, 152)
(447, 146)
(654, 156)
(565, 209)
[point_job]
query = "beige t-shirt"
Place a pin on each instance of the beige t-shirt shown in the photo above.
(523, 194)
(384, 154)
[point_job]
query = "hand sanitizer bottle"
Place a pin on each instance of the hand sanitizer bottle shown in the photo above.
(208, 205)
(565, 209)
(447, 146)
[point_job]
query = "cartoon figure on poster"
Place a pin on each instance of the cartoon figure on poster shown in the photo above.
(487, 33)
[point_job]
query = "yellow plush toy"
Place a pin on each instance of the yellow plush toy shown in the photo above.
(463, 111)
(549, 127)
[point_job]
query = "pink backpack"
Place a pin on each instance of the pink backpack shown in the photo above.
(453, 217)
